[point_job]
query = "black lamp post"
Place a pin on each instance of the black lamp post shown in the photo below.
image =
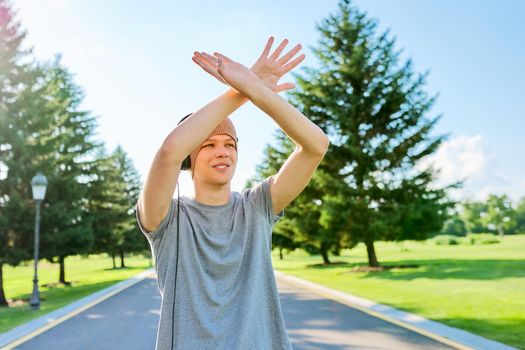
(39, 184)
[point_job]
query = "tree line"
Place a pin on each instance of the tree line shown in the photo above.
(496, 215)
(89, 204)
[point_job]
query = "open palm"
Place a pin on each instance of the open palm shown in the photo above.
(269, 68)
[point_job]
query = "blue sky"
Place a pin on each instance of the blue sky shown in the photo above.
(133, 60)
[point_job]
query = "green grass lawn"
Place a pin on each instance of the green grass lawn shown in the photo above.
(87, 275)
(478, 288)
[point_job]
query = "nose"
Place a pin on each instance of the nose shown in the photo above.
(222, 151)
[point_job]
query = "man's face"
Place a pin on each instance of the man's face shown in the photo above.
(216, 161)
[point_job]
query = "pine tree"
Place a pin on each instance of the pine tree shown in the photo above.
(133, 242)
(65, 150)
(112, 198)
(104, 206)
(374, 111)
(304, 222)
(17, 79)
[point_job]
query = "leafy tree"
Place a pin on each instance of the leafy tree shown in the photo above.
(455, 225)
(500, 215)
(374, 110)
(520, 216)
(472, 216)
(283, 243)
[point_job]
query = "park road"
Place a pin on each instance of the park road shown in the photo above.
(128, 320)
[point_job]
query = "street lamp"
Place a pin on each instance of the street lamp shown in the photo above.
(39, 184)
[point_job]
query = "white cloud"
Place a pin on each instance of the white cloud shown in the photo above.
(460, 158)
(469, 159)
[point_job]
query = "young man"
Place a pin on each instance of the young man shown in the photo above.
(212, 252)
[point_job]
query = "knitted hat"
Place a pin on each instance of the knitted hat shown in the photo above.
(225, 127)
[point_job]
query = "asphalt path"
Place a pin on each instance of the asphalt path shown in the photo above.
(128, 320)
(315, 322)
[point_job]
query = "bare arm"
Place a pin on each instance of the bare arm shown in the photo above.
(311, 142)
(161, 181)
(311, 146)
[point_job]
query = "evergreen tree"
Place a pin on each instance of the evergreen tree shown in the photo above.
(302, 222)
(374, 110)
(17, 80)
(112, 198)
(105, 204)
(133, 242)
(66, 151)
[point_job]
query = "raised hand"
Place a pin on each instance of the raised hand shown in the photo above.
(269, 68)
(235, 74)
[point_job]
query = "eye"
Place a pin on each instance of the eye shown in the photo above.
(231, 145)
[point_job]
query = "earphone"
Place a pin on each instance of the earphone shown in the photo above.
(176, 268)
(186, 164)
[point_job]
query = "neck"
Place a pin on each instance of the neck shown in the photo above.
(212, 194)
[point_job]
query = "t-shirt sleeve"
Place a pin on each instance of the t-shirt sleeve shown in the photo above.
(261, 195)
(168, 220)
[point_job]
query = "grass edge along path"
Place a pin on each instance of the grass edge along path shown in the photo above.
(477, 288)
(86, 274)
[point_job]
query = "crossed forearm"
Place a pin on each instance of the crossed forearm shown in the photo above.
(194, 130)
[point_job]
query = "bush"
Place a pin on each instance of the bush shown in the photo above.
(481, 238)
(471, 239)
(446, 240)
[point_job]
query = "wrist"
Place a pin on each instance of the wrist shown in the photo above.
(236, 96)
(256, 89)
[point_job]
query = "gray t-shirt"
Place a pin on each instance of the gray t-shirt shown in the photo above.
(226, 296)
